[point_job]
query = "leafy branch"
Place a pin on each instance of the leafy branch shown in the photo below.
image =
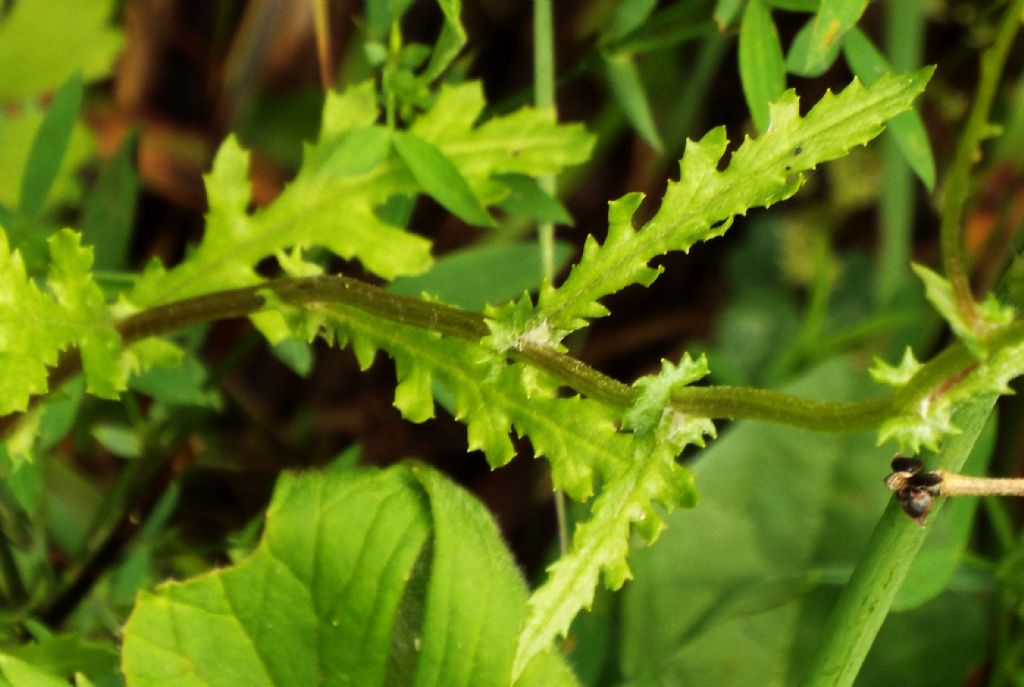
(703, 202)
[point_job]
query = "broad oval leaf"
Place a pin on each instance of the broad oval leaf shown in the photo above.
(359, 579)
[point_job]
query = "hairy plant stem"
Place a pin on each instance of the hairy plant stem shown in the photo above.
(715, 402)
(976, 129)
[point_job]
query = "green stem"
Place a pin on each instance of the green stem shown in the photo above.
(714, 402)
(868, 596)
(544, 96)
(977, 128)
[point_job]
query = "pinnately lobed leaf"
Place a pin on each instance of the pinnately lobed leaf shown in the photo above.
(36, 326)
(349, 173)
(627, 499)
(703, 203)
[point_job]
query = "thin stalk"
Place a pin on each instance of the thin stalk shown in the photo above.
(977, 128)
(324, 54)
(882, 568)
(955, 484)
(544, 96)
(904, 44)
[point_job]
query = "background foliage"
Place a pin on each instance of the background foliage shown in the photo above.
(270, 468)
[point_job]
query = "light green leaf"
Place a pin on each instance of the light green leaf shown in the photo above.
(702, 204)
(359, 579)
(467, 545)
(35, 327)
(796, 58)
(64, 655)
(577, 435)
(84, 305)
(18, 130)
(42, 42)
(528, 141)
(762, 68)
(907, 128)
(17, 673)
(828, 27)
(628, 89)
(991, 312)
(120, 440)
(653, 419)
(725, 13)
(602, 543)
(897, 376)
(49, 146)
(350, 175)
(440, 178)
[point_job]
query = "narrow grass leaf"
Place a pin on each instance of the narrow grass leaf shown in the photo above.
(628, 89)
(762, 67)
(906, 128)
(627, 16)
(450, 41)
(828, 27)
(796, 58)
(725, 13)
(49, 146)
(109, 210)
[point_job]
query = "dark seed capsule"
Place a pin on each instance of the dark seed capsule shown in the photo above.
(917, 503)
(925, 480)
(911, 465)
